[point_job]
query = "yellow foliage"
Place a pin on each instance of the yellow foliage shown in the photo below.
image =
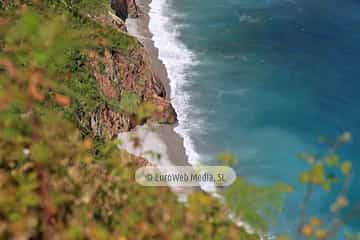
(304, 177)
(320, 234)
(317, 174)
(346, 168)
(315, 221)
(307, 230)
(227, 158)
(332, 160)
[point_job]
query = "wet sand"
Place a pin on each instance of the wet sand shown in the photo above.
(139, 28)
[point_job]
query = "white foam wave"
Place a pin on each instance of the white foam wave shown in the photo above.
(178, 60)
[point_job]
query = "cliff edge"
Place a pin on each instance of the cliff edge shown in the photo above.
(126, 80)
(125, 8)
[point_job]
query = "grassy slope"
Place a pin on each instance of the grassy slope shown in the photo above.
(56, 182)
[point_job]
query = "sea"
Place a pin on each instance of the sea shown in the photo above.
(263, 80)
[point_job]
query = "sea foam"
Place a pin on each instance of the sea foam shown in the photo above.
(178, 60)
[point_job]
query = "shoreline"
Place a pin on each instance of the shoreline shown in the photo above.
(175, 151)
(139, 28)
(175, 148)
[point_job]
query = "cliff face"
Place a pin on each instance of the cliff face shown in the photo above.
(122, 74)
(125, 8)
(118, 74)
(133, 10)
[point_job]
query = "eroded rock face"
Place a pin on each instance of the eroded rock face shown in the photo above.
(125, 8)
(120, 8)
(115, 73)
(106, 123)
(133, 10)
(164, 113)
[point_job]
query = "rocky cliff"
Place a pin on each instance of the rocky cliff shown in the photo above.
(118, 75)
(125, 8)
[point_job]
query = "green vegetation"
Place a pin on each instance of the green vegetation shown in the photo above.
(56, 182)
(86, 6)
(129, 101)
(327, 173)
(62, 46)
(258, 205)
(254, 204)
(353, 237)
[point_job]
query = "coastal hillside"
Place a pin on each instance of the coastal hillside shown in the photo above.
(71, 79)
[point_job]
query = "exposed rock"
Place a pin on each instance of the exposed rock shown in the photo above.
(120, 8)
(105, 74)
(125, 8)
(164, 113)
(111, 20)
(116, 72)
(117, 22)
(107, 123)
(133, 10)
(142, 162)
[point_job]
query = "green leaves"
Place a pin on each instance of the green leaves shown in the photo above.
(93, 7)
(324, 172)
(144, 111)
(37, 44)
(317, 174)
(129, 101)
(48, 173)
(332, 160)
(25, 28)
(304, 178)
(41, 153)
(255, 204)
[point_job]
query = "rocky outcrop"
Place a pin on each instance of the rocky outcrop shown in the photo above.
(133, 10)
(117, 73)
(125, 8)
(105, 122)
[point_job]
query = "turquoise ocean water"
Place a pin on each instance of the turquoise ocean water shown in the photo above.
(264, 79)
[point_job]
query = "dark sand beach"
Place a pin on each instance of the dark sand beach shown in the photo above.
(139, 28)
